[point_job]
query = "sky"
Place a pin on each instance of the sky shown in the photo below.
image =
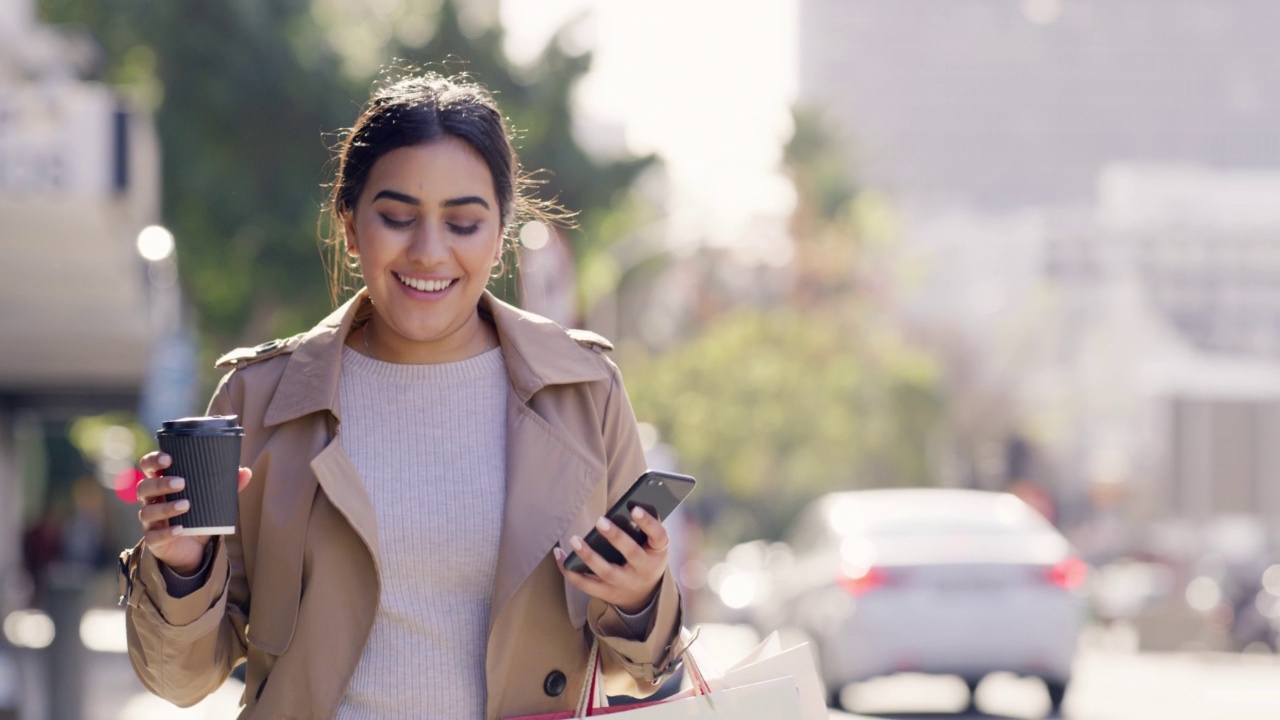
(706, 84)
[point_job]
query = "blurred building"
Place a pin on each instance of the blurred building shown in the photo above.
(79, 178)
(1201, 249)
(1205, 244)
(1089, 196)
(1008, 103)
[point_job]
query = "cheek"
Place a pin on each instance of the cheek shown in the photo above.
(370, 238)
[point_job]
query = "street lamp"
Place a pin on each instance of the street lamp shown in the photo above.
(169, 387)
(155, 243)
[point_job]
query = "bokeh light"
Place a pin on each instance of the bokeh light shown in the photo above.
(155, 243)
(126, 484)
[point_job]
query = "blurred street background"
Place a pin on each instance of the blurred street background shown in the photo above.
(1015, 260)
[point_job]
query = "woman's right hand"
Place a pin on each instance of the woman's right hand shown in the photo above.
(182, 553)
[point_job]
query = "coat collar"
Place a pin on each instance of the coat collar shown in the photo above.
(537, 353)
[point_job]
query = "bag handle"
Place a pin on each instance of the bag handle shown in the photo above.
(593, 698)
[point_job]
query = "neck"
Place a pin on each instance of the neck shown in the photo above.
(382, 343)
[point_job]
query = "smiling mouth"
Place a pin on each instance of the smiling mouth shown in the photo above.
(425, 285)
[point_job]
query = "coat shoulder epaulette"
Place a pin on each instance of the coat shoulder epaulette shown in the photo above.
(593, 341)
(240, 357)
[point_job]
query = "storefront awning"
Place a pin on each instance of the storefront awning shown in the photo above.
(73, 298)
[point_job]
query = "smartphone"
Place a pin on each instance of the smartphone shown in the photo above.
(657, 492)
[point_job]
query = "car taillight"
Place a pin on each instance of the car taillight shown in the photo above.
(1068, 574)
(861, 582)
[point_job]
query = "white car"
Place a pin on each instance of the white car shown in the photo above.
(931, 580)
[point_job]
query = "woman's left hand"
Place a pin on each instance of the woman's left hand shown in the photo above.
(627, 587)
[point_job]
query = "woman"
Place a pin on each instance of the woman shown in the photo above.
(417, 466)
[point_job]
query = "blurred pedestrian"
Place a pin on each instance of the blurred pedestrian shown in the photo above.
(84, 536)
(41, 547)
(416, 468)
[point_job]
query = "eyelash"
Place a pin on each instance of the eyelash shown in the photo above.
(401, 224)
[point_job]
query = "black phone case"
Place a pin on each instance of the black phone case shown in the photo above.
(659, 493)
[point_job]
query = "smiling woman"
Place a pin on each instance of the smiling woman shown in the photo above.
(426, 232)
(413, 469)
(417, 111)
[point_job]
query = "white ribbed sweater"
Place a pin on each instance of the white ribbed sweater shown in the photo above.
(430, 443)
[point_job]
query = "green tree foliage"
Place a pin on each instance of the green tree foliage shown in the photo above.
(242, 92)
(538, 102)
(817, 391)
(773, 407)
(250, 96)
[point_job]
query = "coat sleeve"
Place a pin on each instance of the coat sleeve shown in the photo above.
(184, 648)
(634, 667)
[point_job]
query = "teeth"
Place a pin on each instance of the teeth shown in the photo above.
(424, 285)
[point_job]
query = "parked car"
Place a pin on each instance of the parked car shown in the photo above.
(936, 581)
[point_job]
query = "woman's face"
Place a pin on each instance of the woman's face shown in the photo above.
(427, 232)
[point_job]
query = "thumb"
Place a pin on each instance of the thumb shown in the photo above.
(245, 476)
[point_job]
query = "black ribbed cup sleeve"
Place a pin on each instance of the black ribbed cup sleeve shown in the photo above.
(209, 464)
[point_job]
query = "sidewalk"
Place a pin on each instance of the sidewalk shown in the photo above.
(108, 687)
(113, 692)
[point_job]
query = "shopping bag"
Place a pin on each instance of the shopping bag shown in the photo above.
(767, 661)
(735, 695)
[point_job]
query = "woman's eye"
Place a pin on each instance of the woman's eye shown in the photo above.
(393, 223)
(464, 229)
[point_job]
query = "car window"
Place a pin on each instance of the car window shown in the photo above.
(944, 526)
(983, 515)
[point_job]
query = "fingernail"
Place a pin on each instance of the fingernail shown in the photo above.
(175, 529)
(559, 554)
(604, 524)
(637, 513)
(177, 483)
(182, 505)
(164, 459)
(576, 542)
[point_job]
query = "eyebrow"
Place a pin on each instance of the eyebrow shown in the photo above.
(411, 200)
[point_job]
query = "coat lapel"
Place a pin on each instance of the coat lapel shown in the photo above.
(550, 480)
(310, 384)
(341, 482)
(546, 500)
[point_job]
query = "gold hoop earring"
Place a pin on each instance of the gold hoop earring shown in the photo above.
(502, 269)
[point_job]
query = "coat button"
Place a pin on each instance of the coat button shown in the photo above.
(555, 683)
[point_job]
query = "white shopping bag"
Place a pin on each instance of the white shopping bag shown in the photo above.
(774, 699)
(767, 661)
(732, 696)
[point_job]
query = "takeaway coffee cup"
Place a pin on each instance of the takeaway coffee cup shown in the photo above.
(206, 453)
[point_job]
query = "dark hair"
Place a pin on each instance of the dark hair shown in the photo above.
(414, 110)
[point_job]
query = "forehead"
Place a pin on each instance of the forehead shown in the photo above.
(442, 169)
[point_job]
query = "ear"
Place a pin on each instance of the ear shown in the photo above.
(500, 252)
(349, 232)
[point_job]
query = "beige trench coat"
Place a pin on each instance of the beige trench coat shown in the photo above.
(294, 592)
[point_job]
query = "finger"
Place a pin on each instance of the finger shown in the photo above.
(619, 539)
(653, 528)
(154, 462)
(161, 535)
(596, 562)
(589, 584)
(161, 512)
(152, 490)
(243, 478)
(561, 556)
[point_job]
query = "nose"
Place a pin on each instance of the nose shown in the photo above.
(429, 245)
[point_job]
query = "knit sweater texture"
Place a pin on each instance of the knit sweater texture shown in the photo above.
(429, 442)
